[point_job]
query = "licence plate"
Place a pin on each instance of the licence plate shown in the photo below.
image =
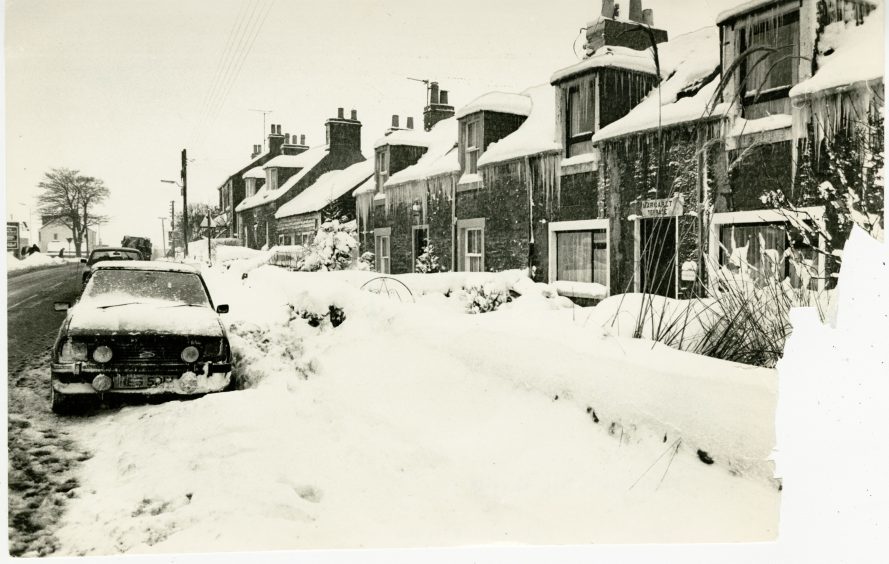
(130, 381)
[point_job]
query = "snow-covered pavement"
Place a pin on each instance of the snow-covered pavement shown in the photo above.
(416, 424)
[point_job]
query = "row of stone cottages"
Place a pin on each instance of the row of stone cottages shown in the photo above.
(601, 183)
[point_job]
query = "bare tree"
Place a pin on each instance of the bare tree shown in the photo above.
(69, 198)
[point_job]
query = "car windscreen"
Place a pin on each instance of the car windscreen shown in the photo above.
(112, 287)
(97, 256)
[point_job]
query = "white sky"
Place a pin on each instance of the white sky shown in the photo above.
(116, 89)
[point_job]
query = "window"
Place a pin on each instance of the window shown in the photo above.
(251, 186)
(471, 245)
(272, 175)
(382, 167)
(472, 145)
(578, 252)
(770, 72)
(381, 246)
(761, 247)
(474, 256)
(579, 118)
(55, 236)
(305, 238)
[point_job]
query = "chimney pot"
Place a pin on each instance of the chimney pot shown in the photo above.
(433, 93)
(273, 129)
(302, 139)
(287, 139)
(394, 120)
(354, 115)
(648, 17)
(279, 129)
(339, 113)
(410, 122)
(443, 97)
(636, 10)
(607, 8)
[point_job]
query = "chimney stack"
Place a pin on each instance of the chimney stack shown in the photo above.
(648, 17)
(343, 136)
(410, 122)
(607, 8)
(394, 121)
(276, 140)
(438, 107)
(636, 11)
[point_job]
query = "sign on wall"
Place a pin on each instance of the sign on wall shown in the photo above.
(666, 207)
(12, 237)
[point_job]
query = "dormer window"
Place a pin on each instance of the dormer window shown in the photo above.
(775, 70)
(251, 186)
(272, 175)
(472, 144)
(580, 123)
(382, 166)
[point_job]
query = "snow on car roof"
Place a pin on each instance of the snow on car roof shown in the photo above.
(146, 265)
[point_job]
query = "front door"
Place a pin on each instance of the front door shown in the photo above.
(657, 256)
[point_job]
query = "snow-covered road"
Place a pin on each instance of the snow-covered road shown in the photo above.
(417, 425)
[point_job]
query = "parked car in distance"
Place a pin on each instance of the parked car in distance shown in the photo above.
(140, 327)
(109, 253)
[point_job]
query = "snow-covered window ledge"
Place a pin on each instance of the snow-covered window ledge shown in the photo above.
(748, 132)
(586, 162)
(469, 182)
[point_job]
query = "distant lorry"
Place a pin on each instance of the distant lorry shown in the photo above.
(141, 244)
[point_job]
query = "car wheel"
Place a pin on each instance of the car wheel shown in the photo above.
(62, 404)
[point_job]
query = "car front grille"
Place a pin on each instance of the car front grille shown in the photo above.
(152, 349)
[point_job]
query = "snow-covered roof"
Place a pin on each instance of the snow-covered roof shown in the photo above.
(503, 102)
(742, 7)
(329, 186)
(255, 172)
(442, 139)
(308, 161)
(253, 161)
(610, 56)
(857, 56)
(688, 60)
(369, 186)
(289, 161)
(412, 137)
(536, 135)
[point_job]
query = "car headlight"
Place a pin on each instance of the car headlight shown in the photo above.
(102, 354)
(73, 351)
(190, 354)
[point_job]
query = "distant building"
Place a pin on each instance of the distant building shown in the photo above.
(53, 237)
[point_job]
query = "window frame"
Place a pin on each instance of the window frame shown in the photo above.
(590, 85)
(585, 225)
(765, 217)
(382, 166)
(463, 227)
(383, 234)
(477, 149)
(272, 176)
(791, 14)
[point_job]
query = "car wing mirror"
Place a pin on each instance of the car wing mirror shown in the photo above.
(61, 306)
(83, 260)
(222, 308)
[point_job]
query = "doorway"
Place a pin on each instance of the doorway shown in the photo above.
(656, 248)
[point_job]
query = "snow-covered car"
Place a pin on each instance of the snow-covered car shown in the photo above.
(140, 328)
(108, 253)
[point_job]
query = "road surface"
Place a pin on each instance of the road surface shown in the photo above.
(42, 455)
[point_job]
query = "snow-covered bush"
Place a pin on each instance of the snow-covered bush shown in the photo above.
(428, 262)
(485, 298)
(332, 248)
(334, 314)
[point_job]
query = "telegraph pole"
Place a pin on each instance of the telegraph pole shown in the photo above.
(185, 201)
